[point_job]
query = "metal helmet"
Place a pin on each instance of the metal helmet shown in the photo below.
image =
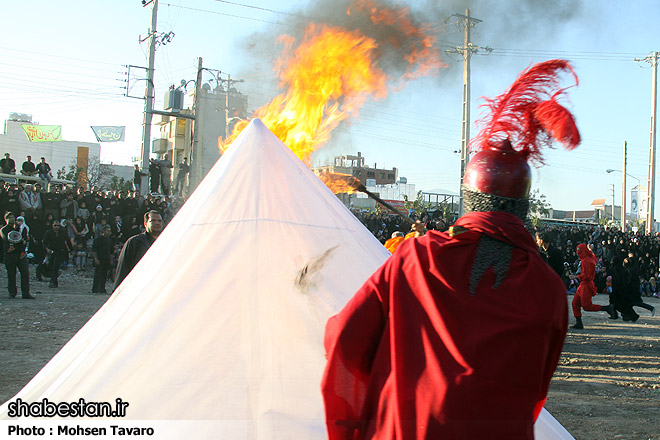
(499, 171)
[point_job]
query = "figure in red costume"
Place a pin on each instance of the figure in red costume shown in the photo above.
(458, 334)
(587, 289)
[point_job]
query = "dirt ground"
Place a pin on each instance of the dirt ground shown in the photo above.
(606, 387)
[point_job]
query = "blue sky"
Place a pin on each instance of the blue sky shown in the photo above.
(63, 62)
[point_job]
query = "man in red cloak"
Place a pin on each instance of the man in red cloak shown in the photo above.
(458, 334)
(587, 289)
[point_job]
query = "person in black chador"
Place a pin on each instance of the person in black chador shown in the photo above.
(632, 291)
(619, 297)
(138, 245)
(102, 250)
(57, 245)
(15, 257)
(550, 254)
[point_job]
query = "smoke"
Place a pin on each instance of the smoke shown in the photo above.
(503, 25)
(404, 41)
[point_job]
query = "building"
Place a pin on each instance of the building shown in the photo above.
(176, 133)
(58, 154)
(355, 166)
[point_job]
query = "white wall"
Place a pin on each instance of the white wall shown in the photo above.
(57, 154)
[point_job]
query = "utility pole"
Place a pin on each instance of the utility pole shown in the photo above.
(195, 154)
(613, 217)
(467, 50)
(229, 82)
(650, 206)
(623, 189)
(149, 98)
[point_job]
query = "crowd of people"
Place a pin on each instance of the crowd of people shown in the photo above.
(69, 229)
(640, 251)
(627, 264)
(81, 216)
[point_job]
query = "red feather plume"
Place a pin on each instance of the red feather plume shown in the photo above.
(529, 115)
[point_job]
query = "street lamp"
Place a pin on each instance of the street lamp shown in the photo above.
(609, 170)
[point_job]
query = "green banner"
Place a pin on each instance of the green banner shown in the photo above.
(43, 133)
(106, 133)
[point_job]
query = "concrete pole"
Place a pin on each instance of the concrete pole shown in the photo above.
(613, 192)
(149, 100)
(227, 107)
(651, 178)
(623, 187)
(196, 153)
(465, 131)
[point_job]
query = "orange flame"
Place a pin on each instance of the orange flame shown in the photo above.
(329, 76)
(327, 79)
(339, 183)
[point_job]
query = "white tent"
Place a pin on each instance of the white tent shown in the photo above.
(223, 318)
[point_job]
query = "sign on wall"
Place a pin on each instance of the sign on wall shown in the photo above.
(43, 133)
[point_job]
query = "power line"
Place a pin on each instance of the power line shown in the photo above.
(223, 13)
(261, 9)
(87, 60)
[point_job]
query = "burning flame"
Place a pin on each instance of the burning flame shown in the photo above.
(340, 183)
(327, 79)
(331, 73)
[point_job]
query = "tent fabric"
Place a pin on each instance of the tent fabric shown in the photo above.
(223, 318)
(548, 428)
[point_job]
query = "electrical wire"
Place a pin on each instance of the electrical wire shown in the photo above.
(225, 14)
(261, 9)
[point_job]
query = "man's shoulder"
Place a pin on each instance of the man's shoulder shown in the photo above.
(138, 239)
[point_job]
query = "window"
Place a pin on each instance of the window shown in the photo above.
(180, 127)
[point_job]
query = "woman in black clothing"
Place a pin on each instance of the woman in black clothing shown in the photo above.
(633, 293)
(619, 297)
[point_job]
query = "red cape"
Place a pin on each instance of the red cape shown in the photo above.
(413, 355)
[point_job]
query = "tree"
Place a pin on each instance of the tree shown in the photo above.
(97, 175)
(72, 174)
(120, 184)
(447, 210)
(100, 175)
(418, 206)
(538, 207)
